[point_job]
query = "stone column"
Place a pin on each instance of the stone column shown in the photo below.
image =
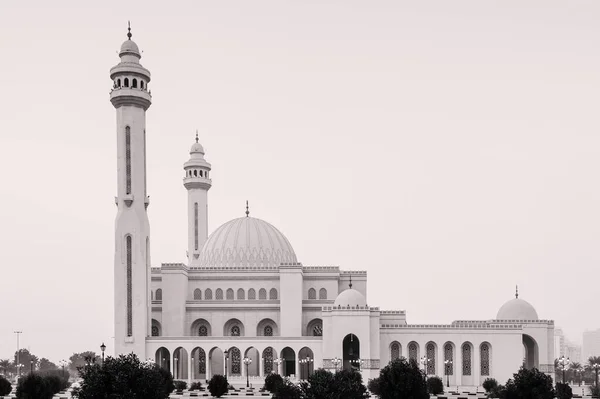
(261, 367)
(208, 370)
(190, 370)
(172, 360)
(297, 370)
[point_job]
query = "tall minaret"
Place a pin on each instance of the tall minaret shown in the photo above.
(197, 181)
(131, 98)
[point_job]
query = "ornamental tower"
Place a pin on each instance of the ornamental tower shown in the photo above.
(197, 182)
(131, 99)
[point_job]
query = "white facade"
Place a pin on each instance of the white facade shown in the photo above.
(245, 294)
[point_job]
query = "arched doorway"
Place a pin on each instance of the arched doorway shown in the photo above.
(199, 364)
(288, 357)
(215, 362)
(254, 366)
(351, 352)
(163, 358)
(306, 361)
(530, 347)
(180, 364)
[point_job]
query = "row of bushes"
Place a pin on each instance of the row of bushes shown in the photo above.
(530, 383)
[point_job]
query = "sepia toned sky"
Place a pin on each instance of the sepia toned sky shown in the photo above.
(450, 149)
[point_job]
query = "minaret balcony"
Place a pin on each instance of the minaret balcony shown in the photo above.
(197, 182)
(129, 96)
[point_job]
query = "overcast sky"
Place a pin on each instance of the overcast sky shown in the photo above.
(449, 148)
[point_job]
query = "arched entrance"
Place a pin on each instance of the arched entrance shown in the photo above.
(199, 364)
(254, 366)
(163, 358)
(180, 364)
(530, 347)
(288, 357)
(306, 361)
(351, 352)
(215, 362)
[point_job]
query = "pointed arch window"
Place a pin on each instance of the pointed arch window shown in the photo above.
(485, 359)
(413, 351)
(273, 293)
(268, 363)
(312, 293)
(219, 294)
(128, 244)
(449, 356)
(251, 294)
(466, 359)
(431, 356)
(229, 294)
(395, 351)
(322, 293)
(159, 294)
(208, 294)
(241, 294)
(262, 294)
(127, 160)
(197, 294)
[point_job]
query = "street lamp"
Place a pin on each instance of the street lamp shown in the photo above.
(62, 364)
(425, 361)
(247, 362)
(448, 364)
(357, 362)
(563, 363)
(226, 357)
(102, 348)
(306, 361)
(336, 362)
(595, 367)
(580, 370)
(278, 361)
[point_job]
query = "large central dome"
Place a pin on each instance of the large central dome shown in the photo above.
(247, 242)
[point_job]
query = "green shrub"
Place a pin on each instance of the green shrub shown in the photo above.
(530, 384)
(490, 384)
(288, 390)
(195, 386)
(273, 382)
(435, 386)
(373, 386)
(180, 385)
(5, 387)
(59, 379)
(595, 391)
(218, 385)
(499, 391)
(563, 391)
(34, 386)
(402, 379)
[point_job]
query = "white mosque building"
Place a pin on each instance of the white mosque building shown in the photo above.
(245, 305)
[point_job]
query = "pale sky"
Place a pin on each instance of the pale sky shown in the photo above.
(448, 148)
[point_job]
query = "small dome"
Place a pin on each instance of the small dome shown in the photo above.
(350, 297)
(247, 241)
(517, 309)
(129, 47)
(197, 149)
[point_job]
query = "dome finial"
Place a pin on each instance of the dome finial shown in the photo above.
(350, 285)
(129, 30)
(247, 209)
(517, 291)
(196, 135)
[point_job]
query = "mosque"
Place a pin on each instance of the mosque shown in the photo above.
(245, 306)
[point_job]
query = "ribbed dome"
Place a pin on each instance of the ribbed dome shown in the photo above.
(350, 297)
(517, 309)
(247, 241)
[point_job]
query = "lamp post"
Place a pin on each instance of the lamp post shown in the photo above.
(306, 362)
(226, 357)
(247, 362)
(563, 363)
(62, 364)
(18, 353)
(580, 370)
(278, 361)
(357, 362)
(595, 367)
(336, 362)
(103, 348)
(425, 362)
(448, 364)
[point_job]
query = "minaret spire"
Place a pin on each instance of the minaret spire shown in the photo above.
(350, 285)
(129, 30)
(247, 209)
(517, 292)
(196, 135)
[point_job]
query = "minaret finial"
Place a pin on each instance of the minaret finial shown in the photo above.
(247, 209)
(350, 285)
(196, 135)
(517, 292)
(129, 30)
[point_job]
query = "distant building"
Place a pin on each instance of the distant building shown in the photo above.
(573, 352)
(559, 342)
(591, 344)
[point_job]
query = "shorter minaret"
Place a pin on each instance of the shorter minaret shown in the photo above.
(197, 182)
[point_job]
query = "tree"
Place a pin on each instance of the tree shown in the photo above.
(288, 390)
(46, 364)
(323, 384)
(490, 384)
(5, 366)
(531, 384)
(124, 377)
(82, 359)
(25, 358)
(435, 386)
(34, 386)
(594, 365)
(273, 382)
(319, 385)
(563, 391)
(218, 386)
(402, 379)
(373, 386)
(5, 386)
